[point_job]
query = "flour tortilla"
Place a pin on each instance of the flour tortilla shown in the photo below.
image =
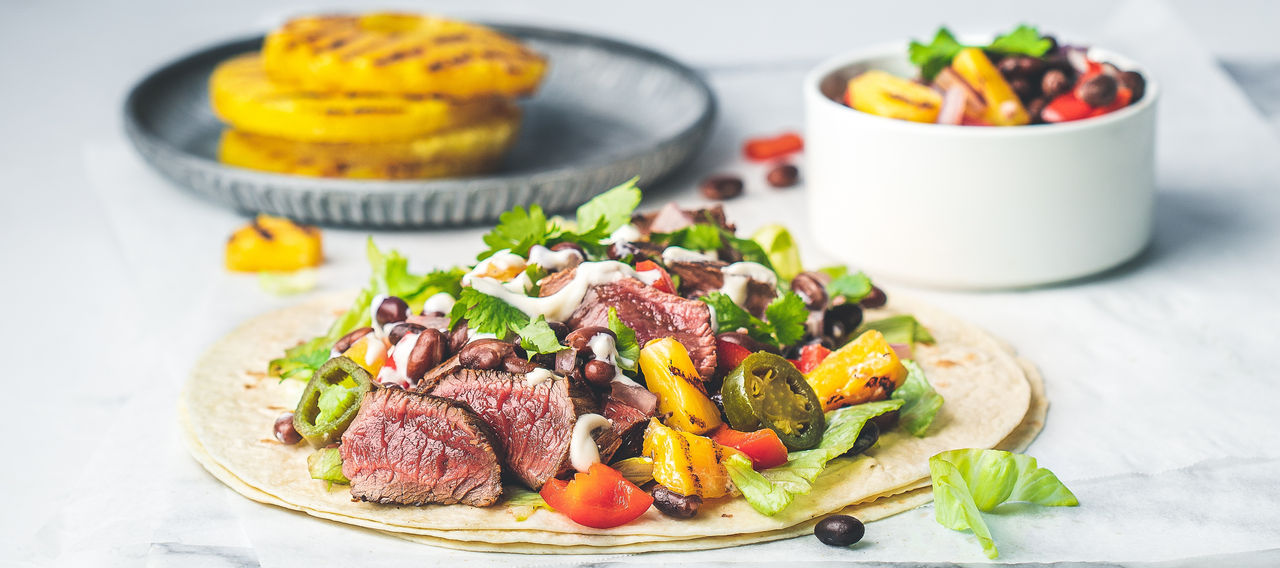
(228, 407)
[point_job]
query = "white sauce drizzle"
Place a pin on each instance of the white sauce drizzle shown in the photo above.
(503, 261)
(473, 335)
(553, 260)
(604, 348)
(441, 302)
(538, 376)
(558, 306)
(625, 234)
(681, 254)
(738, 274)
(583, 451)
(374, 349)
(373, 315)
(520, 284)
(400, 354)
(649, 276)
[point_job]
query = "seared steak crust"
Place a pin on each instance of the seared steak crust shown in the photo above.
(414, 449)
(533, 422)
(652, 314)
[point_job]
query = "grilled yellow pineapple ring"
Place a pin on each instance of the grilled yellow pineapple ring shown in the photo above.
(463, 151)
(245, 98)
(400, 53)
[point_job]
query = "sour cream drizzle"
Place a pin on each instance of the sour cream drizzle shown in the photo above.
(625, 234)
(738, 274)
(681, 254)
(441, 302)
(538, 376)
(502, 262)
(558, 306)
(583, 451)
(553, 260)
(373, 315)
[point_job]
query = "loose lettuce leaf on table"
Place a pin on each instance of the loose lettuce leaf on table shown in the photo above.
(968, 481)
(773, 489)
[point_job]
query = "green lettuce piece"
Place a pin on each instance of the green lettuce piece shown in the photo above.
(287, 283)
(777, 245)
(334, 400)
(538, 337)
(920, 403)
(899, 329)
(626, 344)
(773, 490)
(326, 465)
(390, 276)
(853, 286)
(968, 481)
(523, 503)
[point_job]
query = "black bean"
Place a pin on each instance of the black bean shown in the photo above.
(673, 504)
(484, 354)
(867, 437)
(840, 321)
(284, 430)
(810, 289)
(398, 331)
(458, 336)
(518, 365)
(391, 310)
(1055, 83)
(875, 299)
(346, 341)
(598, 372)
(1023, 87)
(1135, 82)
(1035, 109)
(1098, 91)
(784, 175)
(430, 350)
(839, 530)
(579, 338)
(721, 187)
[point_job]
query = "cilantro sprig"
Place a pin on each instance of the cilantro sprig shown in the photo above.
(626, 344)
(487, 314)
(520, 229)
(783, 323)
(537, 337)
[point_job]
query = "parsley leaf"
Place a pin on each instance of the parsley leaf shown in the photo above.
(604, 213)
(854, 287)
(538, 337)
(519, 229)
(933, 58)
(486, 314)
(628, 348)
(1025, 40)
(786, 316)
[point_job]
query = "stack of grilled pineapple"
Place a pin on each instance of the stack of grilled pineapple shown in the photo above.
(375, 96)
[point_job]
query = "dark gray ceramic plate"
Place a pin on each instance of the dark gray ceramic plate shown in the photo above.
(607, 111)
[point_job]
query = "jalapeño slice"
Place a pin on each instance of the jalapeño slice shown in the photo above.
(768, 391)
(331, 400)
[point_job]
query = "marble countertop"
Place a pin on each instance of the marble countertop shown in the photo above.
(1161, 373)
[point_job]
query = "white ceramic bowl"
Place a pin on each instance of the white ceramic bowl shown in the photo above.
(975, 207)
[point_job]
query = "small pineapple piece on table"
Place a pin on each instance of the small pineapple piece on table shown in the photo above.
(274, 244)
(400, 53)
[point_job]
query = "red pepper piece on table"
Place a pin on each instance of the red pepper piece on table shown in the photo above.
(663, 282)
(761, 149)
(600, 498)
(729, 355)
(810, 356)
(763, 446)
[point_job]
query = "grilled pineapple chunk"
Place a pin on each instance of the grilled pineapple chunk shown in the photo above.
(463, 151)
(273, 243)
(879, 93)
(400, 53)
(245, 98)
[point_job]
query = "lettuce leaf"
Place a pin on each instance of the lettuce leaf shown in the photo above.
(626, 344)
(968, 481)
(524, 503)
(326, 465)
(773, 490)
(899, 329)
(920, 403)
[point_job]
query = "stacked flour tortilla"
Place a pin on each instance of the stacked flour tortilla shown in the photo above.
(993, 400)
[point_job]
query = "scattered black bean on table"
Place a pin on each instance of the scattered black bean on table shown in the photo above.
(839, 530)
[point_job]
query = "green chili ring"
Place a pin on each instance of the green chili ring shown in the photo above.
(338, 371)
(768, 391)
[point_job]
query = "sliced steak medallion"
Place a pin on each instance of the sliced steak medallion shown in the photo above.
(533, 419)
(414, 449)
(628, 408)
(698, 278)
(553, 282)
(671, 218)
(652, 314)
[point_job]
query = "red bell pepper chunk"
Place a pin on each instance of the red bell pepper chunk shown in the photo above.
(1065, 108)
(763, 446)
(729, 356)
(663, 282)
(810, 356)
(761, 149)
(1123, 97)
(600, 498)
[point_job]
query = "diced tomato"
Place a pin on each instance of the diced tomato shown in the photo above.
(810, 356)
(1123, 97)
(600, 498)
(663, 282)
(728, 356)
(1065, 108)
(768, 148)
(763, 446)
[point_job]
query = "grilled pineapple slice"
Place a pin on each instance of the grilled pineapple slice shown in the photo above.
(274, 243)
(462, 151)
(245, 98)
(400, 53)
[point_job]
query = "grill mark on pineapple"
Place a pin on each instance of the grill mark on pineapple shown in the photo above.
(398, 55)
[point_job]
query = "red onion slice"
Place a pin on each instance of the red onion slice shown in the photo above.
(953, 105)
